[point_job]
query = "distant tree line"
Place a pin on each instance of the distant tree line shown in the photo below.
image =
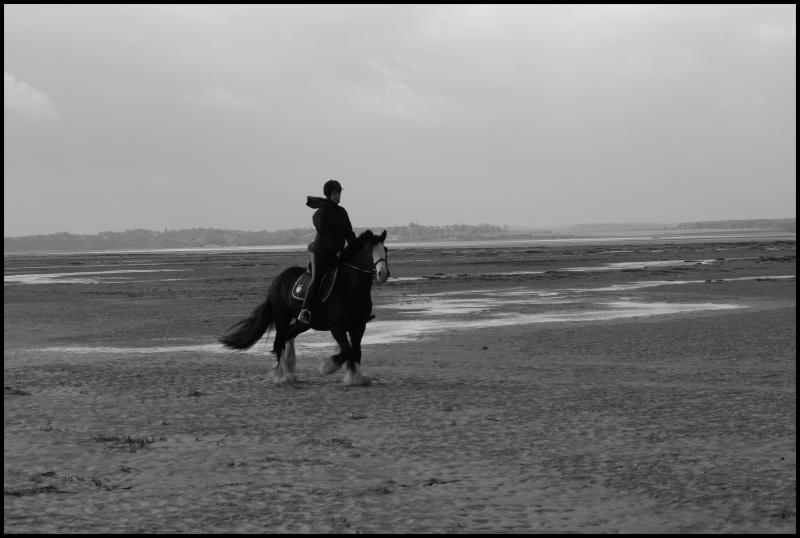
(213, 237)
(618, 227)
(784, 225)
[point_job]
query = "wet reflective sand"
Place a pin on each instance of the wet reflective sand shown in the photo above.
(429, 314)
(79, 277)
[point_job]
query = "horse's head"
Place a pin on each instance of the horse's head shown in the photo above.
(380, 262)
(369, 255)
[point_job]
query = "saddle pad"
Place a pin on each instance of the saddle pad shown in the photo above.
(325, 288)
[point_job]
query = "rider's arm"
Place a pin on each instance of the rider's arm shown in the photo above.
(348, 232)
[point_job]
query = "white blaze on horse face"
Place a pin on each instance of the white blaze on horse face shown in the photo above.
(379, 260)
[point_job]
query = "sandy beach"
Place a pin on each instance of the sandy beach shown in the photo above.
(616, 387)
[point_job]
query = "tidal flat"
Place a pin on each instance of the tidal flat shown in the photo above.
(613, 387)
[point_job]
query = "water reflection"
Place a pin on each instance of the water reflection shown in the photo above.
(421, 316)
(78, 277)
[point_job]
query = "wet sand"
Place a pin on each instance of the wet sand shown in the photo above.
(646, 387)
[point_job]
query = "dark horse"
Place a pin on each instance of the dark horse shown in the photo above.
(344, 313)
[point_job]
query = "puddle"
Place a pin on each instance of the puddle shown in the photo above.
(411, 330)
(515, 273)
(616, 266)
(76, 277)
(390, 332)
(487, 302)
(79, 350)
(619, 266)
(654, 283)
(81, 266)
(450, 312)
(101, 276)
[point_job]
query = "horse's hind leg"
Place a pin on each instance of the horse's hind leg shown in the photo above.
(331, 365)
(286, 365)
(354, 377)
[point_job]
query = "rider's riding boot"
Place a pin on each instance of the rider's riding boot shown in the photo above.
(308, 300)
(370, 317)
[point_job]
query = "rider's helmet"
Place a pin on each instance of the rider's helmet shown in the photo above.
(331, 186)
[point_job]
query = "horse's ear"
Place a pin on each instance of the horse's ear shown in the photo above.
(383, 236)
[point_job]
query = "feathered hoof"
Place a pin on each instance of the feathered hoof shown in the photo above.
(282, 379)
(329, 366)
(288, 379)
(356, 379)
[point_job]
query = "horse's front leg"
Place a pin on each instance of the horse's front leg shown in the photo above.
(353, 375)
(334, 363)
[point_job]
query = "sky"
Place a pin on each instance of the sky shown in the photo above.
(124, 117)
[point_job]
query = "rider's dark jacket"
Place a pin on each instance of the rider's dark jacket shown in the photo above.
(332, 224)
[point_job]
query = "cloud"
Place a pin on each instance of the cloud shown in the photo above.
(423, 97)
(219, 99)
(26, 100)
(771, 33)
(756, 102)
(397, 73)
(396, 99)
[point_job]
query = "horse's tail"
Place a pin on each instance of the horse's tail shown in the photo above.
(248, 331)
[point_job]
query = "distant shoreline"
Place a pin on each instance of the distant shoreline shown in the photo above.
(640, 236)
(139, 240)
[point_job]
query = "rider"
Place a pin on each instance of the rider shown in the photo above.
(333, 229)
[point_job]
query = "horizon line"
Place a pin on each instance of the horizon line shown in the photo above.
(510, 226)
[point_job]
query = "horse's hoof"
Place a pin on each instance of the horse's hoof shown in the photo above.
(329, 366)
(281, 378)
(356, 379)
(288, 379)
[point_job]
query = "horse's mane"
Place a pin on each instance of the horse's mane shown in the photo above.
(352, 248)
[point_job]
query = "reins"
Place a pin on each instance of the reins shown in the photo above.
(373, 271)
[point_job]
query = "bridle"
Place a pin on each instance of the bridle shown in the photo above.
(373, 266)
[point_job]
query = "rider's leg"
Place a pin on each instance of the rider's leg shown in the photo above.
(320, 263)
(311, 293)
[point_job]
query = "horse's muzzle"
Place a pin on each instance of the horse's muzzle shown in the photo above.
(381, 273)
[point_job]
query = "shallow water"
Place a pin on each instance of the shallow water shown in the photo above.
(389, 332)
(78, 277)
(618, 266)
(111, 276)
(81, 266)
(426, 315)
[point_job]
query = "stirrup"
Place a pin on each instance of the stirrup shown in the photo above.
(304, 317)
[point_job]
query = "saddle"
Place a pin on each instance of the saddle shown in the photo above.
(325, 287)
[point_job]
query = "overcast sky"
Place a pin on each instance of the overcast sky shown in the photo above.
(180, 117)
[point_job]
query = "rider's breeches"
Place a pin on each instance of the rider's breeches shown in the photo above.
(320, 263)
